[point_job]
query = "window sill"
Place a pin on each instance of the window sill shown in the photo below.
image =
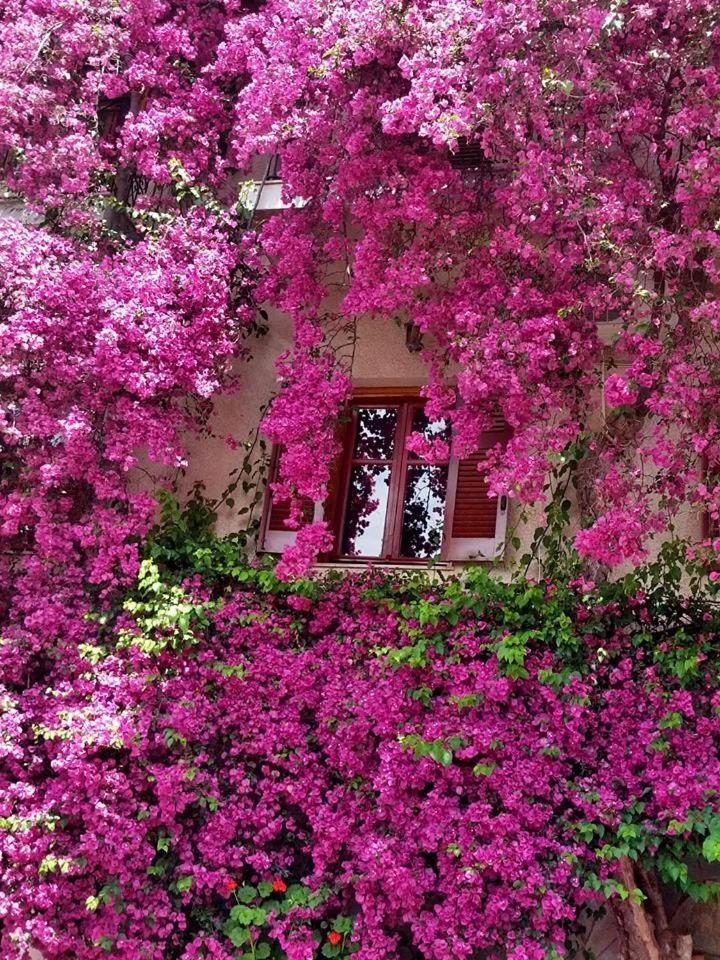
(357, 566)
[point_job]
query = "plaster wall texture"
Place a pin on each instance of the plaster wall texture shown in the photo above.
(380, 358)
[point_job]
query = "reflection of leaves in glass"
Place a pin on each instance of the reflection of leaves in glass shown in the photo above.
(424, 511)
(431, 430)
(367, 506)
(375, 438)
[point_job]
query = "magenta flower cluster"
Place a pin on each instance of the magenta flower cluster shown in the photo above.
(104, 365)
(445, 773)
(505, 176)
(451, 785)
(524, 183)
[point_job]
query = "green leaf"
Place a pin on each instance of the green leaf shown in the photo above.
(483, 769)
(297, 893)
(440, 753)
(242, 915)
(238, 935)
(246, 894)
(711, 844)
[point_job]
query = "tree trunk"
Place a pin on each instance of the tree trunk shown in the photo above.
(643, 926)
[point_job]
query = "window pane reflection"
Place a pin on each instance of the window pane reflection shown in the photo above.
(424, 511)
(430, 429)
(367, 508)
(375, 437)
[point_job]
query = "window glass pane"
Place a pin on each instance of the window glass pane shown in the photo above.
(375, 438)
(366, 511)
(430, 429)
(424, 511)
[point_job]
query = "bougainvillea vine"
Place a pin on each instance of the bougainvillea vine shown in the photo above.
(364, 766)
(590, 202)
(511, 179)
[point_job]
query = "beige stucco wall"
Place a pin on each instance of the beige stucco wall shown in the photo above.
(380, 359)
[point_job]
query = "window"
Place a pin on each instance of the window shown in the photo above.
(388, 505)
(394, 505)
(469, 156)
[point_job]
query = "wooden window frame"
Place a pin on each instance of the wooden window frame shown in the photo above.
(406, 402)
(334, 510)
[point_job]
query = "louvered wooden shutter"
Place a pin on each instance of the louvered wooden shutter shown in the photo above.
(475, 524)
(275, 536)
(469, 156)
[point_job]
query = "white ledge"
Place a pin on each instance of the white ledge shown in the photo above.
(268, 196)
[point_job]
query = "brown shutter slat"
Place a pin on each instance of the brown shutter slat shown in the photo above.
(475, 523)
(274, 534)
(279, 512)
(339, 476)
(475, 513)
(469, 156)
